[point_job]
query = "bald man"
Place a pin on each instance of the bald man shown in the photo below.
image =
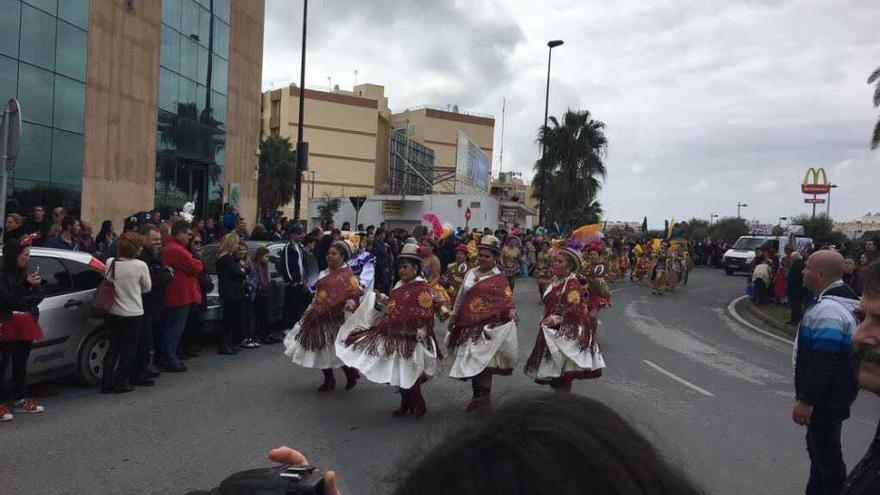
(824, 382)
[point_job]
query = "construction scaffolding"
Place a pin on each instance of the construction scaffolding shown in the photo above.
(410, 166)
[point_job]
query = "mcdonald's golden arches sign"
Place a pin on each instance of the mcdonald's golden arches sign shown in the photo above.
(815, 182)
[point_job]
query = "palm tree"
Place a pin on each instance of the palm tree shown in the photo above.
(573, 167)
(875, 78)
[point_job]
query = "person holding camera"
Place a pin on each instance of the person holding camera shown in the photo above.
(482, 336)
(310, 343)
(390, 339)
(20, 295)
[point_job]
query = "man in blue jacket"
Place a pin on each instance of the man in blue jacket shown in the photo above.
(825, 385)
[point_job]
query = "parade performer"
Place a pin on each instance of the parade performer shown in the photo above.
(390, 339)
(482, 336)
(542, 268)
(623, 261)
(456, 271)
(310, 343)
(594, 278)
(567, 347)
(674, 269)
(658, 271)
(510, 260)
(362, 264)
(641, 266)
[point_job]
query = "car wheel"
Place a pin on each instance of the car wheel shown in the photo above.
(729, 271)
(90, 364)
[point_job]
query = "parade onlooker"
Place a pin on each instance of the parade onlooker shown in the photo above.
(20, 294)
(245, 338)
(188, 348)
(794, 288)
(865, 478)
(38, 224)
(851, 275)
(761, 282)
(212, 231)
(824, 383)
(384, 262)
(310, 265)
(260, 283)
(346, 226)
(58, 215)
(153, 303)
(291, 266)
(105, 238)
(241, 228)
(131, 279)
(181, 293)
(277, 234)
(260, 233)
(68, 238)
(13, 228)
(86, 241)
(870, 251)
(232, 278)
(230, 218)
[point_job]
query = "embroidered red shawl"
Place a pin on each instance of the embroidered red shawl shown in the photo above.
(489, 300)
(333, 290)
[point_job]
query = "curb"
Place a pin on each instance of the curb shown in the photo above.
(731, 308)
(757, 313)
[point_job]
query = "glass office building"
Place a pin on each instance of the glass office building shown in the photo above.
(43, 45)
(193, 73)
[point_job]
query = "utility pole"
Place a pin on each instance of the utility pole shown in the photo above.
(302, 149)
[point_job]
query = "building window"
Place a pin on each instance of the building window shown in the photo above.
(37, 43)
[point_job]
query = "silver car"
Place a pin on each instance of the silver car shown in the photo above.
(73, 341)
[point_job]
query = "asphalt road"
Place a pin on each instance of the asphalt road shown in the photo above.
(714, 395)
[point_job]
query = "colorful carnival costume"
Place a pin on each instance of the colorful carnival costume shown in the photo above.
(510, 263)
(390, 339)
(482, 337)
(567, 347)
(455, 272)
(542, 270)
(674, 271)
(658, 272)
(310, 343)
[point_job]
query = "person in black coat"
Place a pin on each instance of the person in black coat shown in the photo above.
(384, 262)
(794, 289)
(291, 265)
(232, 278)
(154, 302)
(20, 295)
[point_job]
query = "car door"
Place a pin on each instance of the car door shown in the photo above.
(54, 350)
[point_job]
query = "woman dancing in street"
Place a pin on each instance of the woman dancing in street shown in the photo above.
(482, 331)
(390, 339)
(310, 343)
(566, 348)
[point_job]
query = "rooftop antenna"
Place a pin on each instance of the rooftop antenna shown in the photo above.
(355, 77)
(501, 153)
(329, 84)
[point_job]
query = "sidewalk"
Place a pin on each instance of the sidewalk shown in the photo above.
(770, 320)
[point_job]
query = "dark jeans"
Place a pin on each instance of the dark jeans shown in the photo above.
(175, 321)
(827, 469)
(762, 292)
(231, 327)
(295, 302)
(261, 316)
(146, 338)
(118, 361)
(17, 352)
(795, 307)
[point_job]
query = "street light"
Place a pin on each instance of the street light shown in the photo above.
(739, 206)
(551, 44)
(828, 205)
(301, 148)
(712, 217)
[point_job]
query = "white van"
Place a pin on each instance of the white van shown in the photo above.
(740, 256)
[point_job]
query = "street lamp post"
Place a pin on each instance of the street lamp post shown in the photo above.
(712, 218)
(551, 44)
(740, 206)
(828, 205)
(301, 149)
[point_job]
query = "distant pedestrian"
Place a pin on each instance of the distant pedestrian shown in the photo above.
(260, 283)
(245, 337)
(181, 293)
(794, 288)
(105, 238)
(131, 279)
(58, 215)
(865, 478)
(68, 237)
(761, 282)
(20, 295)
(38, 224)
(851, 275)
(86, 241)
(153, 303)
(824, 383)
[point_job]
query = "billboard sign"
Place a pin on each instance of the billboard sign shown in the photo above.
(472, 166)
(815, 182)
(756, 228)
(814, 201)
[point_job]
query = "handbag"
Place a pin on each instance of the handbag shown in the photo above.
(105, 294)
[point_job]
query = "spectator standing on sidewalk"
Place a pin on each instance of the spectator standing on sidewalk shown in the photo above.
(105, 238)
(794, 288)
(13, 228)
(38, 224)
(292, 267)
(865, 478)
(20, 295)
(153, 303)
(85, 239)
(181, 293)
(824, 383)
(261, 283)
(68, 238)
(188, 347)
(131, 279)
(232, 278)
(58, 215)
(245, 337)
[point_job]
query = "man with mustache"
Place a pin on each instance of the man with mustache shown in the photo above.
(865, 478)
(824, 383)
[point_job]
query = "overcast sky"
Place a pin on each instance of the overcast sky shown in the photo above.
(706, 103)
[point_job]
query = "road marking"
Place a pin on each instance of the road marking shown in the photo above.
(679, 380)
(617, 290)
(731, 308)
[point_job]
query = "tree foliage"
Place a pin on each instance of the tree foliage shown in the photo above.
(874, 78)
(328, 207)
(728, 229)
(820, 229)
(277, 173)
(572, 168)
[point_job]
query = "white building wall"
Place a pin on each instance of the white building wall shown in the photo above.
(449, 208)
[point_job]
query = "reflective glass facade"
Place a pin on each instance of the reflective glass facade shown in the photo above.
(193, 74)
(43, 45)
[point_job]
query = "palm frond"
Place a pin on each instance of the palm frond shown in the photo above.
(875, 139)
(874, 76)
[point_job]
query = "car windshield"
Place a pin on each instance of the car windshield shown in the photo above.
(749, 243)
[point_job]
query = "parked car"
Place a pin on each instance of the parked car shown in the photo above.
(214, 313)
(73, 341)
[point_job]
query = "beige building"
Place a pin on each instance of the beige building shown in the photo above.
(141, 119)
(439, 130)
(347, 132)
(511, 191)
(854, 229)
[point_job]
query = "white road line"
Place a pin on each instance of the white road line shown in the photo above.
(731, 308)
(617, 290)
(679, 380)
